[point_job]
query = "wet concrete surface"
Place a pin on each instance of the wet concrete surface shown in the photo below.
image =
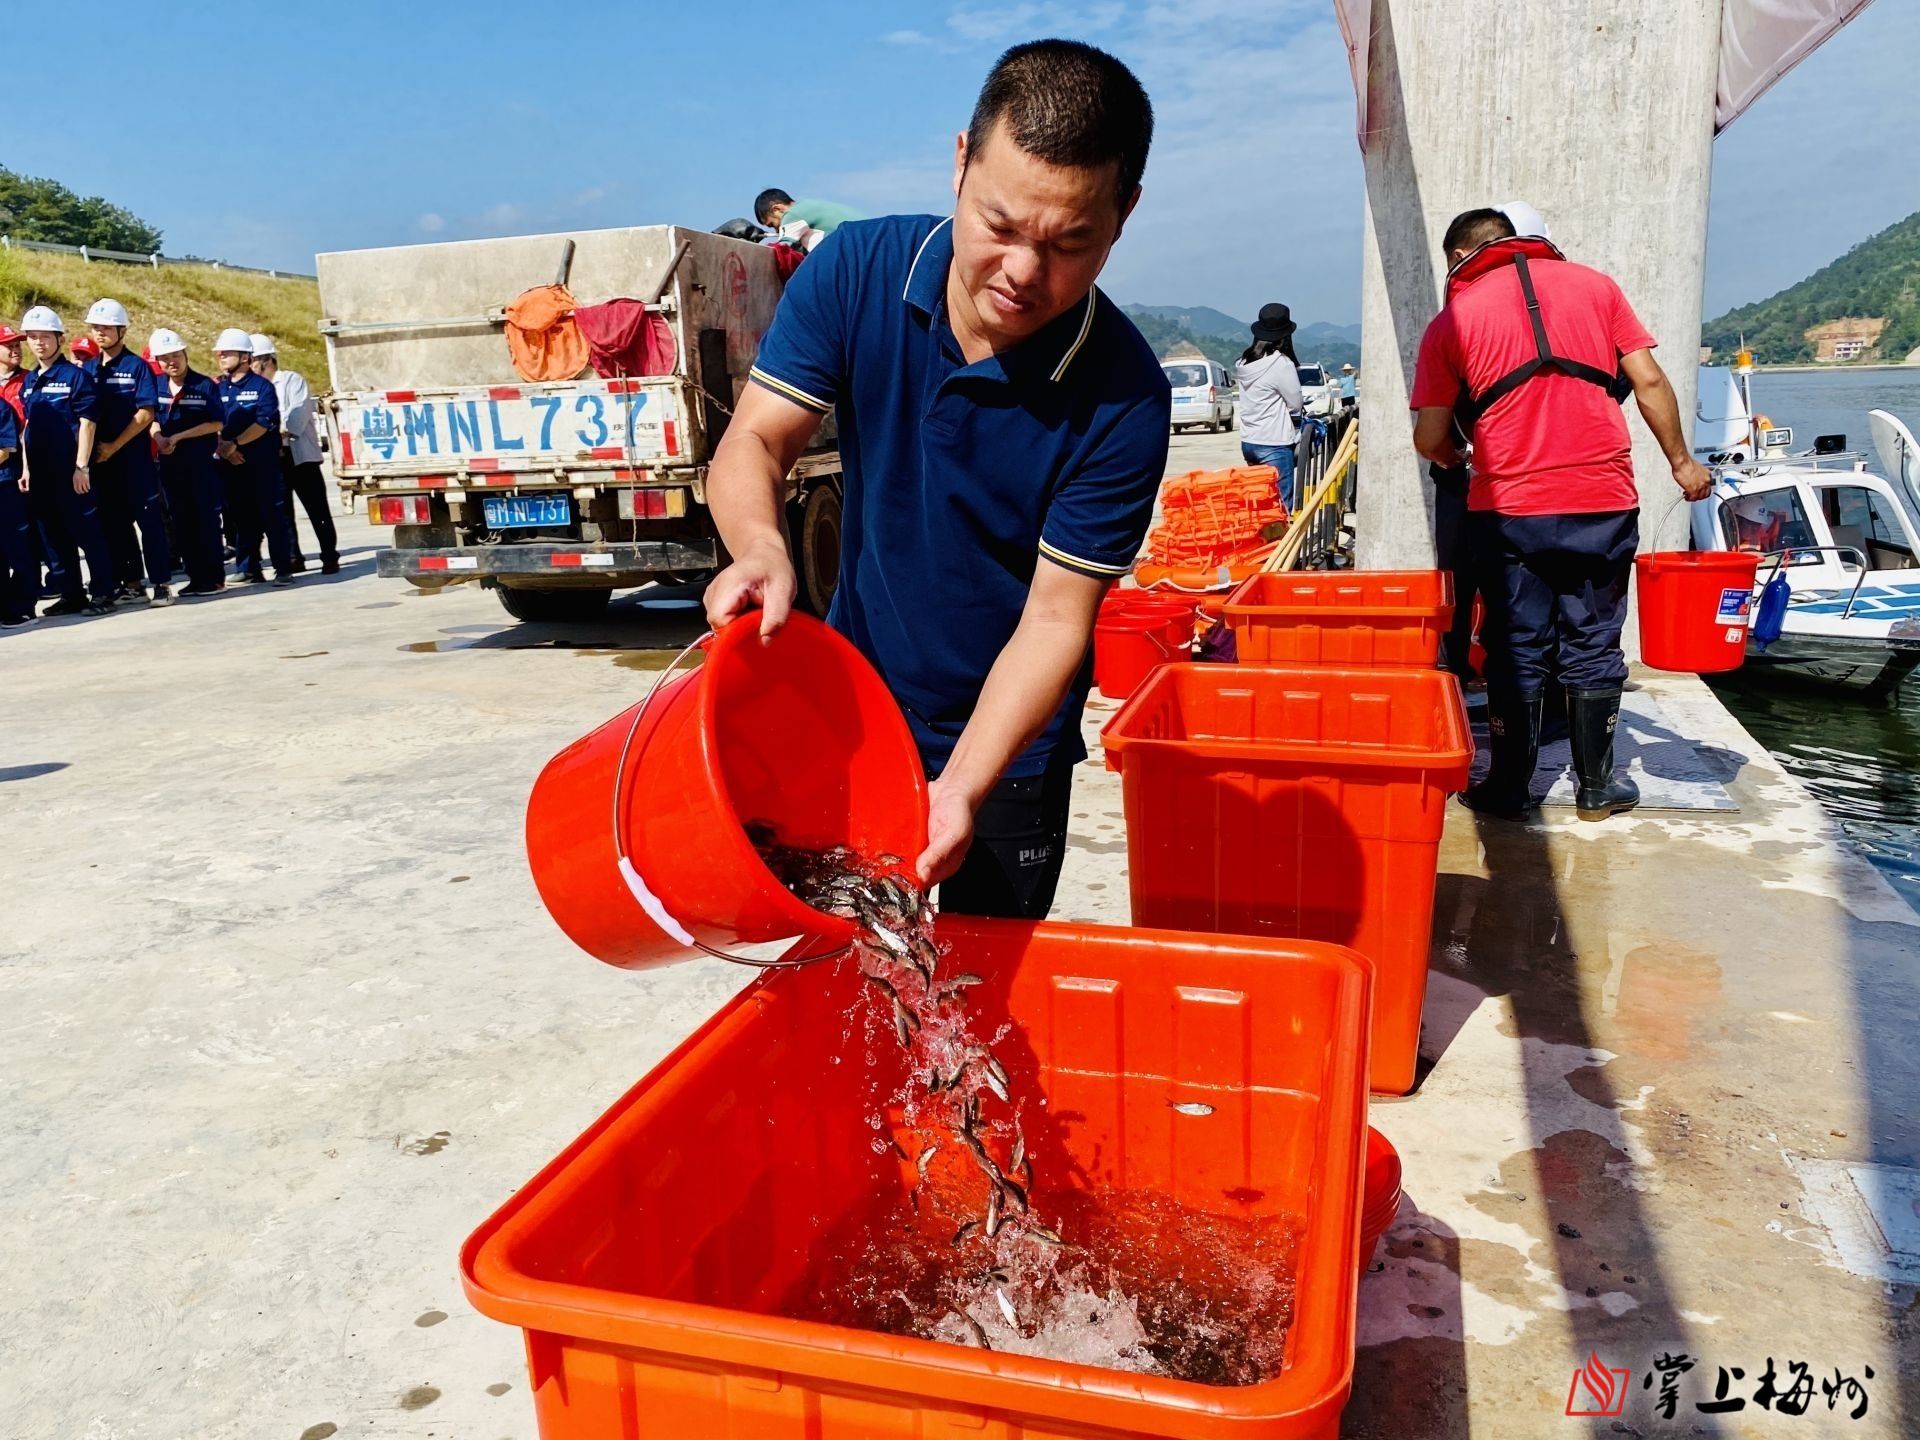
(287, 1020)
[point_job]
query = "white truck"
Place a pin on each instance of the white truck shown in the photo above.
(554, 493)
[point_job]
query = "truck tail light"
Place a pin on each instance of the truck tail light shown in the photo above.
(653, 504)
(1211, 394)
(399, 510)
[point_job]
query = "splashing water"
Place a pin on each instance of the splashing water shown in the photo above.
(1133, 1281)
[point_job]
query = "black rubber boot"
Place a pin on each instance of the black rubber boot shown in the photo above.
(1591, 718)
(1513, 727)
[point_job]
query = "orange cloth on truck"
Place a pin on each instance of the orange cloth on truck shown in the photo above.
(545, 342)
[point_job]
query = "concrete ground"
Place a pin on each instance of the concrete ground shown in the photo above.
(286, 1020)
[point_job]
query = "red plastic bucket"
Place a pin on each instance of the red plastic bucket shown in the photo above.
(1380, 1193)
(1127, 646)
(636, 833)
(1695, 606)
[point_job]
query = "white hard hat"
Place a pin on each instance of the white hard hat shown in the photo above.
(41, 318)
(263, 345)
(231, 339)
(164, 342)
(108, 312)
(1525, 219)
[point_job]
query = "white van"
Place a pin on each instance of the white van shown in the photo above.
(1203, 394)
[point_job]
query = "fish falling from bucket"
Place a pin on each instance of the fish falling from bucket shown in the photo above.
(961, 1086)
(1124, 1281)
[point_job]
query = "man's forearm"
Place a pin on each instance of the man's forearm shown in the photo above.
(1023, 691)
(744, 491)
(1660, 408)
(84, 454)
(141, 420)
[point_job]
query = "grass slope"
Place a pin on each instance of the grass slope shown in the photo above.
(197, 302)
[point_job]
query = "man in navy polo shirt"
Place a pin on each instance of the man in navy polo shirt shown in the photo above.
(256, 498)
(124, 470)
(1003, 430)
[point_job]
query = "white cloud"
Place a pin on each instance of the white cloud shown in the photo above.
(430, 223)
(592, 195)
(503, 215)
(905, 37)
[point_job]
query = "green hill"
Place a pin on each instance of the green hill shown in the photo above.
(36, 209)
(196, 301)
(1878, 279)
(1220, 337)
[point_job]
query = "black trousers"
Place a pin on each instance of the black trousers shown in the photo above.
(1019, 844)
(1555, 588)
(1455, 556)
(135, 516)
(307, 483)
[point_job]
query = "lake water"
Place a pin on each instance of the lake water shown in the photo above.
(1860, 759)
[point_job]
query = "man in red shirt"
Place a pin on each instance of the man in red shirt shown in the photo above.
(1529, 361)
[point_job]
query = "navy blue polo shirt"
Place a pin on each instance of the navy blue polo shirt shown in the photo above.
(960, 477)
(122, 386)
(251, 401)
(57, 397)
(197, 402)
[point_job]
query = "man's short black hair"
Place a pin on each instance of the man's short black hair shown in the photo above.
(765, 201)
(1473, 228)
(1068, 104)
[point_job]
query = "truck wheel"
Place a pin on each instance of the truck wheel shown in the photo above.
(819, 568)
(554, 606)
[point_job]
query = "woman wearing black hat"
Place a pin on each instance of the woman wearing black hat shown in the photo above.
(1269, 380)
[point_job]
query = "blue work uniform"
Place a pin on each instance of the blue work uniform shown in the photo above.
(58, 396)
(961, 478)
(19, 563)
(129, 482)
(192, 474)
(256, 491)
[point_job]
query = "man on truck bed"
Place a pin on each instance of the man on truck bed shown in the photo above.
(1003, 429)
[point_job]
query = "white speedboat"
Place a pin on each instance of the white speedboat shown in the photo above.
(1846, 538)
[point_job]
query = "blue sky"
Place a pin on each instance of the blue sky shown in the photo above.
(384, 124)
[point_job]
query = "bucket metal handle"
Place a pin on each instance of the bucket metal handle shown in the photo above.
(642, 893)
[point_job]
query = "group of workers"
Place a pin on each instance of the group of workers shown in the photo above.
(117, 469)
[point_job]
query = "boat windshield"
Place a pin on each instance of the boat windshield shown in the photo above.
(1769, 521)
(1864, 518)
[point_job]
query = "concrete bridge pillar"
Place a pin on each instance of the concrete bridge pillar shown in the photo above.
(1597, 112)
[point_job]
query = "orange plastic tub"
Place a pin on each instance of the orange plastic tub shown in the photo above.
(1301, 801)
(647, 1262)
(1342, 617)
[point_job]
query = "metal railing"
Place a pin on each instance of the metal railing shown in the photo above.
(1317, 537)
(91, 253)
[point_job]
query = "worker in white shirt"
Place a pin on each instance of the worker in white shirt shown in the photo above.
(300, 455)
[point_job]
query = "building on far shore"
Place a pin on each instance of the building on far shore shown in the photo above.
(1845, 339)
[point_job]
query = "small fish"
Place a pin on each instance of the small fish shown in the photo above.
(1014, 1191)
(890, 861)
(999, 1276)
(998, 1085)
(1019, 1156)
(996, 1069)
(964, 979)
(973, 1329)
(892, 939)
(1006, 1307)
(1190, 1107)
(966, 1232)
(980, 1154)
(993, 1213)
(897, 1149)
(885, 984)
(1044, 1235)
(926, 1157)
(903, 1024)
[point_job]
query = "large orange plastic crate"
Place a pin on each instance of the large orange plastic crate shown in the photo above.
(1341, 617)
(645, 1262)
(1303, 800)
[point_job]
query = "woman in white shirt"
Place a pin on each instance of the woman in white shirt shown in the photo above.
(1269, 379)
